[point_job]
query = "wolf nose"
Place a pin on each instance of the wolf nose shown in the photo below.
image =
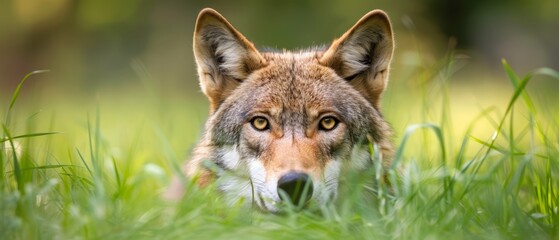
(295, 186)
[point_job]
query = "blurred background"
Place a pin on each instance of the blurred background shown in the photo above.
(87, 44)
(132, 59)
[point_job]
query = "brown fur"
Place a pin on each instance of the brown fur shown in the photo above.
(293, 91)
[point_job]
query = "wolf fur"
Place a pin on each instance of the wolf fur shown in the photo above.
(293, 92)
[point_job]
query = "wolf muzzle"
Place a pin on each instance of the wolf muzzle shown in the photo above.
(296, 187)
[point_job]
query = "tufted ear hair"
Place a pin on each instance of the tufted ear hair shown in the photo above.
(223, 55)
(362, 55)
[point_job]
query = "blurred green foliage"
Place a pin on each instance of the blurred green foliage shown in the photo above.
(88, 44)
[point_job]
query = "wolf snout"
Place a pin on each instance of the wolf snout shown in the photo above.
(296, 187)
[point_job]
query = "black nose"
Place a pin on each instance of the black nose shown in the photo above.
(297, 186)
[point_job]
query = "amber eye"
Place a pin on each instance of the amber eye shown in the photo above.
(328, 123)
(260, 123)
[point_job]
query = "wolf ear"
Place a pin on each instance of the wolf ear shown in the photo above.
(223, 55)
(362, 55)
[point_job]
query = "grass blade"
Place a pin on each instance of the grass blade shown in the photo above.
(515, 81)
(16, 93)
(17, 170)
(29, 135)
(412, 129)
(18, 88)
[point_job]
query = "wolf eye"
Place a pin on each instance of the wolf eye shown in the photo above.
(260, 123)
(328, 123)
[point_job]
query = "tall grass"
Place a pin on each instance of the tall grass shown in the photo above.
(508, 187)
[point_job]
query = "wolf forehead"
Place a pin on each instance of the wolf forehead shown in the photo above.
(294, 89)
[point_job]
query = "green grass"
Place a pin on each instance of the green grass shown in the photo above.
(93, 184)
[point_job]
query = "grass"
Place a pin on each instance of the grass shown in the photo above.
(499, 185)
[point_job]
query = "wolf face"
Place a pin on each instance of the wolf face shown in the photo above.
(285, 121)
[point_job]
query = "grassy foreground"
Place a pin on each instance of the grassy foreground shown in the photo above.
(98, 186)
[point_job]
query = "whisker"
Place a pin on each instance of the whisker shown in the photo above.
(331, 181)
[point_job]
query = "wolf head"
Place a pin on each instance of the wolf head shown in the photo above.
(284, 122)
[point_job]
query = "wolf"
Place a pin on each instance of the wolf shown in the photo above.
(281, 122)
